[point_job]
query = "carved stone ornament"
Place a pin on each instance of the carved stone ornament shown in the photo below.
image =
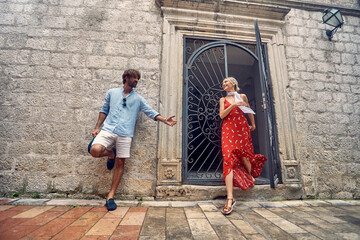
(291, 172)
(169, 173)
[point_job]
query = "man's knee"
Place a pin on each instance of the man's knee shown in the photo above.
(120, 163)
(96, 150)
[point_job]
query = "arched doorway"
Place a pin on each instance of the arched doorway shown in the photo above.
(206, 63)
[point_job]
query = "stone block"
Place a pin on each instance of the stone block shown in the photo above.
(334, 107)
(355, 38)
(324, 67)
(139, 150)
(2, 41)
(11, 131)
(146, 64)
(356, 71)
(318, 55)
(324, 96)
(316, 33)
(351, 48)
(118, 62)
(27, 20)
(19, 71)
(300, 66)
(348, 59)
(23, 57)
(291, 30)
(6, 162)
(97, 62)
(292, 52)
(144, 134)
(41, 44)
(325, 44)
(11, 182)
(309, 43)
(7, 19)
(80, 61)
(125, 49)
(35, 8)
(348, 108)
(61, 116)
(90, 165)
(67, 183)
(293, 75)
(309, 95)
(343, 195)
(344, 69)
(60, 60)
(43, 71)
(73, 3)
(139, 187)
(345, 88)
(37, 182)
(295, 41)
(8, 57)
(8, 113)
(64, 132)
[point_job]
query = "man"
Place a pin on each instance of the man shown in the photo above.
(119, 114)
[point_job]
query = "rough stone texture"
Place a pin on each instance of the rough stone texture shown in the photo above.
(323, 88)
(58, 59)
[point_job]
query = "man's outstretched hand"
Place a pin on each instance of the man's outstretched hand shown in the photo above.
(170, 121)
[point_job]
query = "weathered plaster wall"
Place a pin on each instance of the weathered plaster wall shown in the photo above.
(324, 87)
(58, 58)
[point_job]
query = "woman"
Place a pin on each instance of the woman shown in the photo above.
(240, 164)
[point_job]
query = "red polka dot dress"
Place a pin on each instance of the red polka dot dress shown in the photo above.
(236, 143)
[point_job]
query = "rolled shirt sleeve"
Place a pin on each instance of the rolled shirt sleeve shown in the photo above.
(106, 106)
(145, 108)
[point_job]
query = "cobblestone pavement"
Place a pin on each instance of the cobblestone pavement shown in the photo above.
(89, 219)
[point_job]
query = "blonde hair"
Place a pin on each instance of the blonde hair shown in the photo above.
(233, 80)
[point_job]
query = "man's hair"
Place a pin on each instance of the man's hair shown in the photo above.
(130, 73)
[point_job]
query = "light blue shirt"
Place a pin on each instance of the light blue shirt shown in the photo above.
(122, 119)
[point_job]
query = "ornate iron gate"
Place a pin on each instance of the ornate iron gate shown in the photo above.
(204, 71)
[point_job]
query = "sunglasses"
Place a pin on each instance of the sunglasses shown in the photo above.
(124, 102)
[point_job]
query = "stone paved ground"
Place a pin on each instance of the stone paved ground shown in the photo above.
(88, 219)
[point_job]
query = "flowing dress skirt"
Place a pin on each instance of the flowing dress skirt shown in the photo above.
(236, 143)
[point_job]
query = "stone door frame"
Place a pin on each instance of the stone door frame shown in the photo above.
(180, 22)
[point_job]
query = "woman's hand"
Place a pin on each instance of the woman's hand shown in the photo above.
(240, 104)
(252, 127)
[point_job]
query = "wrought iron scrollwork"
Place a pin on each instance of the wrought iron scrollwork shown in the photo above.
(204, 77)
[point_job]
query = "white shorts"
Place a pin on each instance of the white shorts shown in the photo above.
(109, 140)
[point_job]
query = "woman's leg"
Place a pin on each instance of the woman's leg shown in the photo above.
(247, 164)
(229, 187)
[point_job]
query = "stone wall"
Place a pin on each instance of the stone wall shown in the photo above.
(342, 3)
(324, 87)
(58, 58)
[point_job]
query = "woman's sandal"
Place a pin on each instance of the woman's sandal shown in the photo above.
(227, 210)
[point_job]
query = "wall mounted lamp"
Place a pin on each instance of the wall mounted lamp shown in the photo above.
(333, 18)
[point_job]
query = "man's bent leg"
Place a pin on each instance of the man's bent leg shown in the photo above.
(118, 172)
(98, 150)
